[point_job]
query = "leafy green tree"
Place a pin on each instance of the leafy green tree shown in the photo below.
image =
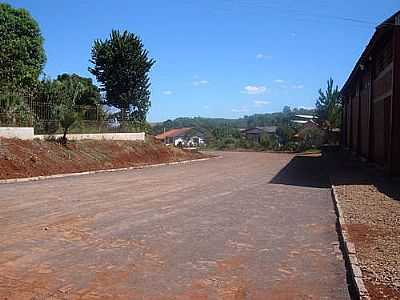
(329, 106)
(22, 56)
(286, 110)
(122, 66)
(90, 95)
(285, 134)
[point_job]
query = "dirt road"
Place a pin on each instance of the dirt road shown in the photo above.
(232, 228)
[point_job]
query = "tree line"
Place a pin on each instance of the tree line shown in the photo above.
(120, 63)
(223, 133)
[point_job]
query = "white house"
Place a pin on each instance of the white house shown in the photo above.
(182, 137)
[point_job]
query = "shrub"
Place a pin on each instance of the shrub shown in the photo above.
(311, 138)
(14, 110)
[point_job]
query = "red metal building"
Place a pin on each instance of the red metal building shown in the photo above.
(371, 97)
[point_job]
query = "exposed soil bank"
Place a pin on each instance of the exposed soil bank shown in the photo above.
(19, 159)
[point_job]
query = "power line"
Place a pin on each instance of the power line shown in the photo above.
(298, 12)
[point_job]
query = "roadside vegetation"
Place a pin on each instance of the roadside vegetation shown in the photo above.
(227, 134)
(121, 65)
(28, 97)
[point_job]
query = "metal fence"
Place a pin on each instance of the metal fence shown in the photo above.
(18, 110)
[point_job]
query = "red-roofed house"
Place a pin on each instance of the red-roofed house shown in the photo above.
(182, 137)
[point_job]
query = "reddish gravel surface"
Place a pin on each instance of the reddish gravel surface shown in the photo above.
(371, 208)
(240, 227)
(37, 158)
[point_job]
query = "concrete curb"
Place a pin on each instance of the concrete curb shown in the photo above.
(28, 179)
(349, 252)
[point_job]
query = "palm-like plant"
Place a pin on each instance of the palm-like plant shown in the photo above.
(66, 109)
(329, 106)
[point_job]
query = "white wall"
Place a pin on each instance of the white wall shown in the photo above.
(26, 133)
(23, 133)
(139, 136)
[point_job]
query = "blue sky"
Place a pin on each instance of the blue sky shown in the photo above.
(218, 58)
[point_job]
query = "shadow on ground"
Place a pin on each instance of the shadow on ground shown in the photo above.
(335, 167)
(306, 171)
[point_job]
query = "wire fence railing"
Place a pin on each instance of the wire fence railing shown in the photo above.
(88, 126)
(25, 111)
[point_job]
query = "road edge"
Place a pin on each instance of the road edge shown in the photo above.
(37, 178)
(349, 252)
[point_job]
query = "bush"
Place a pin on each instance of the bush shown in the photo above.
(311, 138)
(269, 142)
(13, 110)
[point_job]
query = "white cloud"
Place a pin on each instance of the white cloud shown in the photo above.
(167, 92)
(254, 90)
(240, 110)
(200, 82)
(279, 81)
(263, 56)
(261, 103)
(307, 107)
(298, 86)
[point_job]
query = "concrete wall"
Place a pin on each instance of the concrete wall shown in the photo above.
(23, 133)
(140, 136)
(26, 133)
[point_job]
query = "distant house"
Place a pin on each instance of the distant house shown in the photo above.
(371, 99)
(255, 133)
(182, 137)
(304, 119)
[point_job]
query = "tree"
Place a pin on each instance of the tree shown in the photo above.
(22, 56)
(286, 110)
(122, 66)
(311, 138)
(69, 93)
(90, 95)
(329, 106)
(285, 134)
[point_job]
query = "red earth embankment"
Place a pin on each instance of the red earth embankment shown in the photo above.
(19, 159)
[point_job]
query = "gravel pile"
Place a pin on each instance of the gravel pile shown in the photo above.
(373, 222)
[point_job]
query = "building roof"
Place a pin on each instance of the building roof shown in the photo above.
(300, 121)
(259, 130)
(305, 116)
(173, 133)
(304, 121)
(384, 27)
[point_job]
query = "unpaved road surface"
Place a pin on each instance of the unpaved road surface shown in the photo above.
(230, 228)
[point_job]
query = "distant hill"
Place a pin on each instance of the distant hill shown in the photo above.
(206, 125)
